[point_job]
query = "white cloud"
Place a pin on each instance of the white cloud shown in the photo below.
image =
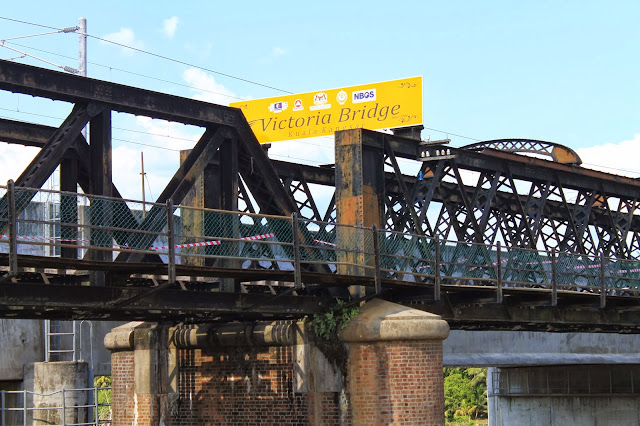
(162, 142)
(618, 158)
(277, 51)
(206, 88)
(125, 37)
(13, 160)
(170, 25)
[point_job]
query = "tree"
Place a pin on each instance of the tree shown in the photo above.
(465, 393)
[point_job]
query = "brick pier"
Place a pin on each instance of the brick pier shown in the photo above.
(274, 374)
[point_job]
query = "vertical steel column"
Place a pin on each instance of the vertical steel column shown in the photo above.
(100, 154)
(222, 193)
(69, 206)
(64, 409)
(24, 407)
(499, 296)
(101, 184)
(360, 195)
(436, 269)
(96, 418)
(171, 236)
(297, 275)
(376, 261)
(13, 228)
(554, 278)
(603, 290)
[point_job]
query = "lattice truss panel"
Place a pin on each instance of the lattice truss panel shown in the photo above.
(487, 206)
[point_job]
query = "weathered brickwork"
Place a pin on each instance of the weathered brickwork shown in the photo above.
(226, 387)
(273, 374)
(396, 382)
(247, 387)
(122, 387)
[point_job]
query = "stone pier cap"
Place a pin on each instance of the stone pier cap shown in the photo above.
(137, 335)
(380, 320)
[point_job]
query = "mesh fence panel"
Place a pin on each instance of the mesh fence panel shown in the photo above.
(407, 257)
(4, 220)
(622, 275)
(468, 261)
(233, 239)
(523, 266)
(318, 242)
(578, 271)
(48, 221)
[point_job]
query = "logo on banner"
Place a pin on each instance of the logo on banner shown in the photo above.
(297, 105)
(278, 106)
(342, 97)
(363, 96)
(320, 100)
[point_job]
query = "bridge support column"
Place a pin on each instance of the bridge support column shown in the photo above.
(232, 374)
(143, 373)
(279, 373)
(394, 372)
(359, 196)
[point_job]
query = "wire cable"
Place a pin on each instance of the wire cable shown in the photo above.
(133, 73)
(167, 58)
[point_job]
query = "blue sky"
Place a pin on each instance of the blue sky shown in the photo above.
(562, 71)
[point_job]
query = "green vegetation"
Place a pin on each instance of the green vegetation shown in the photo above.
(103, 383)
(328, 324)
(465, 396)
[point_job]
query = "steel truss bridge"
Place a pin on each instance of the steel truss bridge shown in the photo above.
(483, 235)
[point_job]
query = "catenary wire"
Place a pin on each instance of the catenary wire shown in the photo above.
(167, 58)
(61, 30)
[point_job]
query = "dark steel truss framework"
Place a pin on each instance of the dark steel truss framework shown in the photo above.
(482, 195)
(492, 196)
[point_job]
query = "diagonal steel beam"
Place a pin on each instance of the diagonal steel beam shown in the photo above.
(52, 153)
(260, 175)
(176, 189)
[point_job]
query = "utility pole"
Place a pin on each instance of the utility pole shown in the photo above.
(82, 47)
(144, 206)
(82, 54)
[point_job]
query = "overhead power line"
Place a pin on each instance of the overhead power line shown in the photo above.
(132, 73)
(167, 58)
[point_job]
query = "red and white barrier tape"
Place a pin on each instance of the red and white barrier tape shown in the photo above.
(324, 242)
(199, 244)
(271, 234)
(214, 242)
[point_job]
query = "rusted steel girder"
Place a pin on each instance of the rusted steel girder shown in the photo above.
(557, 152)
(30, 80)
(269, 192)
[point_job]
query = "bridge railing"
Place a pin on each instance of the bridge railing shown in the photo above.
(63, 224)
(55, 223)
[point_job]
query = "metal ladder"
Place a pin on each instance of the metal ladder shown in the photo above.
(60, 340)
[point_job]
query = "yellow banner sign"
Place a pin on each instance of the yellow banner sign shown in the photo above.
(385, 105)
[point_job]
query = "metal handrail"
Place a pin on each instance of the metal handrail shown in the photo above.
(394, 256)
(92, 417)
